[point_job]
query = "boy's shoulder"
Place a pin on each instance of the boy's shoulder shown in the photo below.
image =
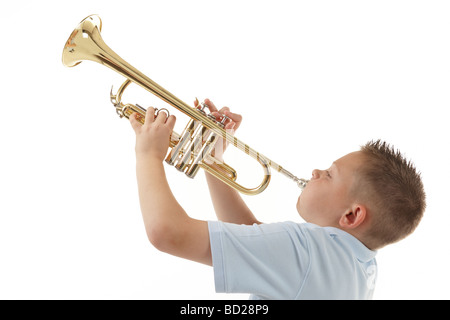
(321, 237)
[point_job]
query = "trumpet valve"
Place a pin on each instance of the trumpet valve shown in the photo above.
(224, 119)
(179, 149)
(202, 154)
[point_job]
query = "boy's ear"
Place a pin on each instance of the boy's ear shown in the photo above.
(354, 217)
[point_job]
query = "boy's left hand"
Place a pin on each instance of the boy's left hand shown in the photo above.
(153, 137)
(231, 125)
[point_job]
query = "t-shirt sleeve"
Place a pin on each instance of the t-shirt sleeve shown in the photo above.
(268, 260)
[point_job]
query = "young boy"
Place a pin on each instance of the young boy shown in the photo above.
(364, 201)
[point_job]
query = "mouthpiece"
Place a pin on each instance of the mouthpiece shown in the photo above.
(301, 182)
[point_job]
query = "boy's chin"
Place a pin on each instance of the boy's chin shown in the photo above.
(303, 215)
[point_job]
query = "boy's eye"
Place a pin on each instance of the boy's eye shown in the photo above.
(328, 174)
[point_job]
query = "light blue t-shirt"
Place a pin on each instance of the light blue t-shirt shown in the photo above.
(290, 260)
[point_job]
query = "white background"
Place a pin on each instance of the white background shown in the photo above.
(313, 80)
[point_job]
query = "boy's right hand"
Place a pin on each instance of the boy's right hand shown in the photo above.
(231, 125)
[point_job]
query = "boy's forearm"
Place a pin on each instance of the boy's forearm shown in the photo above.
(158, 205)
(228, 204)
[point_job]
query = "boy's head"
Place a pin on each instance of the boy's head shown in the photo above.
(374, 194)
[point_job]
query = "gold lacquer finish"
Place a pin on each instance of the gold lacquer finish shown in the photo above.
(192, 148)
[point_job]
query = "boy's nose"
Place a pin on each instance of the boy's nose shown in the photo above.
(316, 174)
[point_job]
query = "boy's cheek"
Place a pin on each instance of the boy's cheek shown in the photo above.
(310, 199)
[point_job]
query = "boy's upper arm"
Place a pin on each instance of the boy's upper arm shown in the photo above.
(189, 239)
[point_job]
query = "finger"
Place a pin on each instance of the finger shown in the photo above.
(150, 115)
(230, 126)
(196, 102)
(210, 105)
(236, 118)
(222, 114)
(171, 122)
(217, 115)
(135, 124)
(229, 123)
(233, 116)
(222, 111)
(161, 117)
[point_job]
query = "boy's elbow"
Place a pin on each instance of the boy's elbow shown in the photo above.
(155, 234)
(161, 236)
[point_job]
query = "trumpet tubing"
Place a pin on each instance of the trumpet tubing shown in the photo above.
(191, 149)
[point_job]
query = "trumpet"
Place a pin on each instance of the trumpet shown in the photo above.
(190, 150)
